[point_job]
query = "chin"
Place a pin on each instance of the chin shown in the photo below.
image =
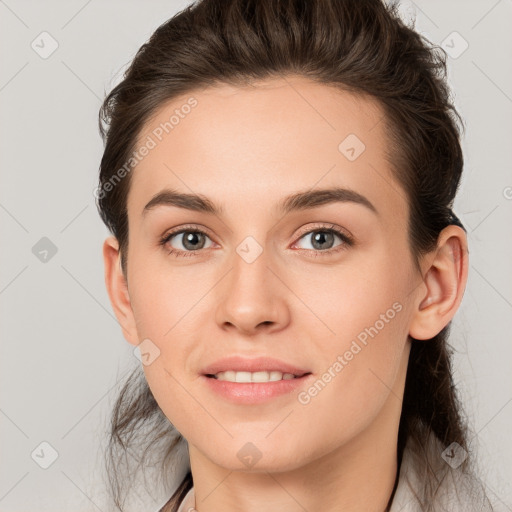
(257, 457)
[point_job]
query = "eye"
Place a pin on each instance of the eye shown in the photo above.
(322, 239)
(184, 242)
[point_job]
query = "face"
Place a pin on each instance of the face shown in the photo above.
(322, 281)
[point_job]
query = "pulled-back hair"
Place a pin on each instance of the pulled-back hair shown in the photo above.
(360, 46)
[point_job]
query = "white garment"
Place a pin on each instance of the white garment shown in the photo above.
(188, 503)
(458, 492)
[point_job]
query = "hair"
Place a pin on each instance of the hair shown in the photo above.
(363, 47)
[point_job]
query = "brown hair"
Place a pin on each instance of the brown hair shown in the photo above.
(360, 46)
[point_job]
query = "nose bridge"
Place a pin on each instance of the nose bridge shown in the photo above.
(251, 294)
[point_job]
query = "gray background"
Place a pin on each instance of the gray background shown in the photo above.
(62, 351)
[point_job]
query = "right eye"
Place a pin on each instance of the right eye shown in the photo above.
(190, 240)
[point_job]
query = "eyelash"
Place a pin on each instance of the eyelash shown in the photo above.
(346, 239)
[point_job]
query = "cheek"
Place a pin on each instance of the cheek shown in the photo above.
(361, 321)
(162, 295)
(360, 375)
(167, 306)
(363, 301)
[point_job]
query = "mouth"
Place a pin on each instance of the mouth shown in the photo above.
(254, 377)
(262, 369)
(256, 387)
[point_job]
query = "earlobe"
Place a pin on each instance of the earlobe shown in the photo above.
(117, 289)
(444, 283)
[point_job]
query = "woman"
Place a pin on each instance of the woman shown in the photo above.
(278, 177)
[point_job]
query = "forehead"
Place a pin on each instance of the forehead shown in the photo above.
(250, 146)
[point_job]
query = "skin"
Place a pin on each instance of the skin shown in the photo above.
(247, 148)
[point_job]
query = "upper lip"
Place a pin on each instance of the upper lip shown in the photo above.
(256, 364)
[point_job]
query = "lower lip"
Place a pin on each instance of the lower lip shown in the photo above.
(254, 392)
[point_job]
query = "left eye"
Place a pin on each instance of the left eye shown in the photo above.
(323, 239)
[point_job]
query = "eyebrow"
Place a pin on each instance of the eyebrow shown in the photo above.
(298, 201)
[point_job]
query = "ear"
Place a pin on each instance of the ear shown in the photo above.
(117, 288)
(445, 274)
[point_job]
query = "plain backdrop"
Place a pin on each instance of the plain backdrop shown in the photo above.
(62, 351)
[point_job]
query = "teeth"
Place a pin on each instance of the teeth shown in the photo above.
(232, 376)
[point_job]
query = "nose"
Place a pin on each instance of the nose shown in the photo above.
(252, 298)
